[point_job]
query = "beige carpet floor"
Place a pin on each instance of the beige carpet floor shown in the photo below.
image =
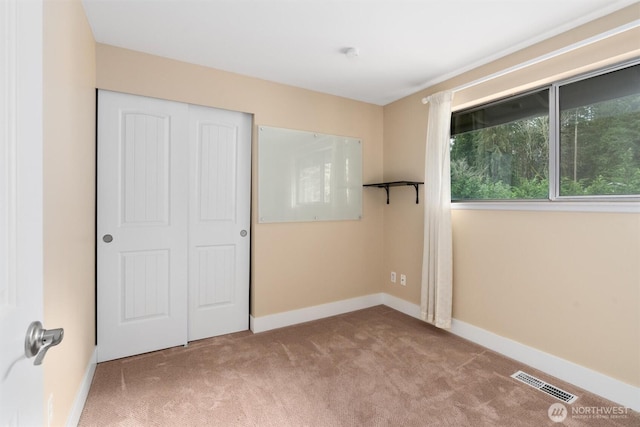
(374, 367)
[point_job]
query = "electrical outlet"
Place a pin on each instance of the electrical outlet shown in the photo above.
(393, 277)
(403, 280)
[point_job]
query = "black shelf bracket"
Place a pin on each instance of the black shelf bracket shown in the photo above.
(386, 186)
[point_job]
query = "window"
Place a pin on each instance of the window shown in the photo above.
(501, 151)
(577, 139)
(600, 135)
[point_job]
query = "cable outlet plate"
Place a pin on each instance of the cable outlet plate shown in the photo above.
(403, 280)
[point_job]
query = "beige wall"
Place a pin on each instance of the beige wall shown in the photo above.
(294, 265)
(69, 159)
(564, 283)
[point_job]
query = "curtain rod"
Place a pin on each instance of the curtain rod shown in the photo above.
(615, 31)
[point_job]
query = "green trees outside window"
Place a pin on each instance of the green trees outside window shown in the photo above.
(501, 151)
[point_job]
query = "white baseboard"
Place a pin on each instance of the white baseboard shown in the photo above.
(401, 305)
(83, 392)
(293, 317)
(592, 381)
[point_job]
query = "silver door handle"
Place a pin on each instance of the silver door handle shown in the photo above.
(107, 238)
(39, 340)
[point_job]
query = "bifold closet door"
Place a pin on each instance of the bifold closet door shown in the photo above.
(142, 224)
(174, 193)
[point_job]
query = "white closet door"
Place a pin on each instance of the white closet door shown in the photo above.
(220, 197)
(142, 224)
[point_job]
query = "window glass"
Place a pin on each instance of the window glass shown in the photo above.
(600, 135)
(501, 151)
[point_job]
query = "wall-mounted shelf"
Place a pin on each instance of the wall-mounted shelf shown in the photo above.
(386, 186)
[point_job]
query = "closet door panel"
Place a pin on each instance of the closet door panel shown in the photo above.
(220, 144)
(142, 225)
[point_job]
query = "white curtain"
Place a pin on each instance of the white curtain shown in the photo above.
(437, 256)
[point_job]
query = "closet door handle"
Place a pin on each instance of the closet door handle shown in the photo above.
(107, 238)
(243, 233)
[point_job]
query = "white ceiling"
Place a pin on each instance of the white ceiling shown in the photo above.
(404, 46)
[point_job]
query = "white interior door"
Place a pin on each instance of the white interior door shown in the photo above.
(142, 224)
(220, 197)
(174, 191)
(21, 387)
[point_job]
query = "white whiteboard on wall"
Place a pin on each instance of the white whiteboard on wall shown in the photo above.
(307, 176)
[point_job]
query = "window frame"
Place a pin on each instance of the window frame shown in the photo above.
(556, 202)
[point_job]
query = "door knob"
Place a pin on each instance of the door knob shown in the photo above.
(39, 340)
(243, 233)
(107, 238)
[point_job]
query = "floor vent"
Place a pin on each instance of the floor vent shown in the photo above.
(544, 387)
